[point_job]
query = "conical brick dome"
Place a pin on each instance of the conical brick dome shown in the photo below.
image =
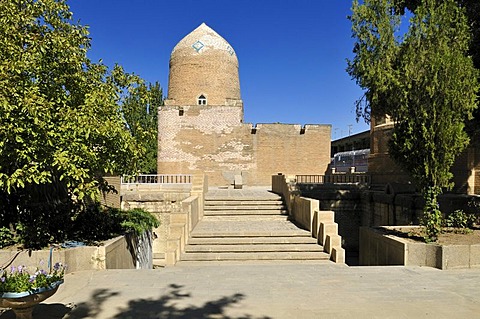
(203, 70)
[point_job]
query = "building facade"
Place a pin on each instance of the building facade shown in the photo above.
(383, 169)
(201, 126)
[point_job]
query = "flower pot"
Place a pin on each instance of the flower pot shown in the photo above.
(22, 303)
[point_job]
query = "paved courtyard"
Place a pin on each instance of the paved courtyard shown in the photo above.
(266, 290)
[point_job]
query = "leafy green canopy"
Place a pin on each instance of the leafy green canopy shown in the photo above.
(472, 11)
(63, 123)
(60, 120)
(425, 81)
(140, 110)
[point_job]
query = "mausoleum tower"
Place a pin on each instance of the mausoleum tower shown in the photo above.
(203, 71)
(201, 128)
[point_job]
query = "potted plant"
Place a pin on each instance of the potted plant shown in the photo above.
(21, 290)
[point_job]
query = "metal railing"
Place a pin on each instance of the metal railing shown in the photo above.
(158, 179)
(334, 179)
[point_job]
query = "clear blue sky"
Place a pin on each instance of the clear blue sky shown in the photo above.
(292, 53)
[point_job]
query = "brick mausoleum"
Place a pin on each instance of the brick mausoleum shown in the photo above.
(201, 128)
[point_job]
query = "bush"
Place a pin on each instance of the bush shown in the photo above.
(39, 225)
(98, 223)
(138, 221)
(7, 237)
(460, 219)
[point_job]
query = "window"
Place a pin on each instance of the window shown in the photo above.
(202, 100)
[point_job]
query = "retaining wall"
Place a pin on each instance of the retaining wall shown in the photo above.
(380, 249)
(123, 252)
(306, 214)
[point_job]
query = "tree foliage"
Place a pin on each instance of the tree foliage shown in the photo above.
(140, 110)
(425, 81)
(472, 11)
(61, 124)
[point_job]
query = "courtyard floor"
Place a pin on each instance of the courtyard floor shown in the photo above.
(266, 290)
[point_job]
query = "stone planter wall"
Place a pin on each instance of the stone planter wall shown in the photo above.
(380, 249)
(123, 252)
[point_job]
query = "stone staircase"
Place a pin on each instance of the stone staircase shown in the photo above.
(239, 226)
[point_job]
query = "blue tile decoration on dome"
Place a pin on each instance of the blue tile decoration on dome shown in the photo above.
(198, 46)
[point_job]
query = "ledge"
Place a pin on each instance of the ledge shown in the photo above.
(380, 249)
(115, 253)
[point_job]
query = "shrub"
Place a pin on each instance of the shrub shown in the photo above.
(7, 238)
(138, 221)
(98, 223)
(460, 219)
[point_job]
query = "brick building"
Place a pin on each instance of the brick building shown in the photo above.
(383, 170)
(201, 126)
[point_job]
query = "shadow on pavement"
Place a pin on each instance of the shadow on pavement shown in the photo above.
(166, 306)
(91, 309)
(42, 311)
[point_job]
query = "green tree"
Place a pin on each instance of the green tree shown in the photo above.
(472, 11)
(61, 126)
(425, 81)
(140, 110)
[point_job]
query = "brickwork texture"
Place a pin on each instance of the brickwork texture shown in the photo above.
(211, 137)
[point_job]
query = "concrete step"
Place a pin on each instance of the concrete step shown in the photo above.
(229, 256)
(243, 207)
(254, 248)
(245, 212)
(258, 262)
(249, 233)
(249, 228)
(250, 240)
(243, 198)
(244, 218)
(276, 202)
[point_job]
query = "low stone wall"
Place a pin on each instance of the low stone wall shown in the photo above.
(303, 209)
(181, 225)
(284, 186)
(380, 249)
(178, 207)
(123, 252)
(345, 201)
(306, 214)
(395, 205)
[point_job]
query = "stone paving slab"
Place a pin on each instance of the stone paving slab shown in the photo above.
(251, 240)
(254, 248)
(254, 256)
(246, 225)
(266, 290)
(252, 193)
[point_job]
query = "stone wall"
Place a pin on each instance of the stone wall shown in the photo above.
(477, 180)
(122, 252)
(356, 206)
(306, 213)
(213, 140)
(112, 198)
(345, 201)
(380, 248)
(178, 207)
(162, 204)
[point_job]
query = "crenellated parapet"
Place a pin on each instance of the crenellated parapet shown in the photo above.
(224, 147)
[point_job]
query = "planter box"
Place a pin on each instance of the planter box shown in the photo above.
(380, 249)
(123, 252)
